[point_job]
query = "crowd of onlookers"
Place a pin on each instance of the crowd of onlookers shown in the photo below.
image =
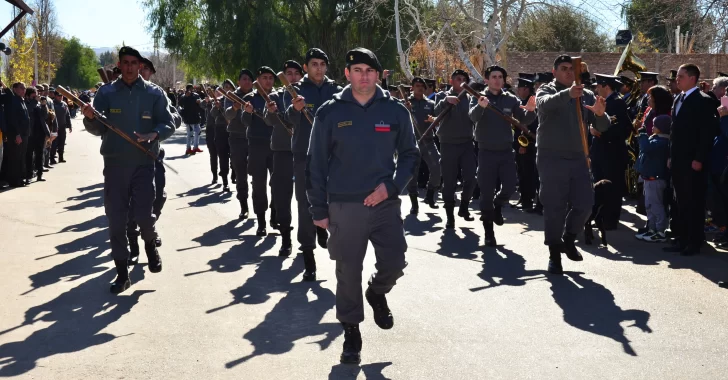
(34, 122)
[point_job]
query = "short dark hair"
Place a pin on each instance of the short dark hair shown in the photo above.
(189, 87)
(29, 91)
(692, 70)
(18, 84)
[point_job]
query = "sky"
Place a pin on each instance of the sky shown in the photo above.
(106, 23)
(97, 23)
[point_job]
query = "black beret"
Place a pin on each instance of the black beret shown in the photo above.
(648, 75)
(461, 72)
(562, 59)
(365, 56)
(525, 82)
(149, 64)
(292, 65)
(490, 69)
(228, 81)
(266, 70)
(316, 53)
(419, 80)
(126, 50)
(246, 72)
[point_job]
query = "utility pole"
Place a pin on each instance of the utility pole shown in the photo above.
(49, 60)
(35, 65)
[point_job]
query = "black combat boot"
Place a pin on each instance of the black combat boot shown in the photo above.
(60, 157)
(214, 179)
(415, 206)
(430, 199)
(155, 262)
(382, 315)
(273, 220)
(286, 246)
(450, 212)
(464, 211)
(309, 263)
(225, 187)
(122, 277)
(133, 251)
(555, 259)
(570, 249)
(489, 233)
(243, 210)
(352, 344)
(322, 237)
(498, 214)
(261, 226)
(39, 178)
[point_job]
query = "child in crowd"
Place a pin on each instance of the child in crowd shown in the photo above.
(654, 153)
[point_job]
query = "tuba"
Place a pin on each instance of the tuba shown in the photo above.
(630, 62)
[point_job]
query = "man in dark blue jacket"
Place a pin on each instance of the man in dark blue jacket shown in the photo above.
(354, 188)
(18, 132)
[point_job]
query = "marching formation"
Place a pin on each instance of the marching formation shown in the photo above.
(570, 145)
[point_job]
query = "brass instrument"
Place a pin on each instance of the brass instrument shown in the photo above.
(522, 139)
(630, 62)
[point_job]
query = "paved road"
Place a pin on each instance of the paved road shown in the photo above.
(226, 306)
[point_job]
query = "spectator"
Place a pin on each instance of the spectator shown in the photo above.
(18, 131)
(191, 110)
(39, 133)
(654, 153)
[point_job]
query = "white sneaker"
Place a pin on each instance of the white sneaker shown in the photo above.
(657, 237)
(642, 236)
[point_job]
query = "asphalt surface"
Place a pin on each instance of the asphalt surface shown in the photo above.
(226, 306)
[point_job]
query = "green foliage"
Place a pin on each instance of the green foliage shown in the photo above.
(78, 66)
(108, 58)
(558, 29)
(657, 20)
(219, 37)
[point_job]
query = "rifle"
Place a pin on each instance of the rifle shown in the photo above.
(102, 74)
(443, 113)
(262, 93)
(415, 124)
(294, 95)
(576, 63)
(101, 118)
(510, 119)
(236, 99)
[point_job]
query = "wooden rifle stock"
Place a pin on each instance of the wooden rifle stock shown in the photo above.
(105, 122)
(236, 99)
(415, 124)
(102, 74)
(442, 114)
(576, 64)
(265, 96)
(294, 94)
(512, 120)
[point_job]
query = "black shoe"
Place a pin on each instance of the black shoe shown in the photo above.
(153, 259)
(225, 188)
(60, 159)
(498, 215)
(40, 178)
(382, 315)
(570, 249)
(273, 222)
(555, 260)
(352, 344)
(47, 167)
(45, 170)
(158, 242)
(53, 161)
(286, 246)
(674, 248)
(450, 224)
(464, 212)
(322, 237)
(415, 206)
(122, 277)
(309, 263)
(133, 251)
(243, 211)
(723, 284)
(489, 234)
(430, 199)
(261, 227)
(214, 180)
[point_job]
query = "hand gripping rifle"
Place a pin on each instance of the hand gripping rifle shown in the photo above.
(102, 119)
(576, 63)
(262, 93)
(510, 119)
(236, 99)
(443, 113)
(294, 95)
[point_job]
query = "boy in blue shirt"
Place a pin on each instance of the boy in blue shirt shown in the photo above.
(654, 153)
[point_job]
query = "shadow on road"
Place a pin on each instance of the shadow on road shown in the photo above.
(452, 245)
(590, 306)
(371, 371)
(506, 266)
(77, 318)
(416, 226)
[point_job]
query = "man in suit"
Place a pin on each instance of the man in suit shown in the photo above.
(694, 126)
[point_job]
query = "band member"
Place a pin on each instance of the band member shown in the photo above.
(354, 191)
(238, 141)
(219, 124)
(672, 83)
(456, 150)
(496, 162)
(566, 187)
(608, 151)
(260, 156)
(313, 90)
(695, 123)
(626, 91)
(422, 110)
(280, 144)
(526, 155)
(647, 80)
(136, 107)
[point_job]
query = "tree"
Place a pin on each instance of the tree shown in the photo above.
(44, 26)
(20, 63)
(78, 66)
(558, 28)
(108, 58)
